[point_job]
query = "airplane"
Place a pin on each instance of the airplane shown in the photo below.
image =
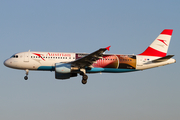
(67, 65)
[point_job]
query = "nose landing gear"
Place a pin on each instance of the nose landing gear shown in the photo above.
(26, 77)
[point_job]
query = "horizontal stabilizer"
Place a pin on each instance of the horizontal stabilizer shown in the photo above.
(163, 59)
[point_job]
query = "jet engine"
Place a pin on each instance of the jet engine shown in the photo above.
(65, 71)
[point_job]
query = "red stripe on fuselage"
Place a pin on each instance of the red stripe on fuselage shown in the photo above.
(152, 52)
(39, 55)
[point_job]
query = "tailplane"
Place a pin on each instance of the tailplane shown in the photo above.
(160, 45)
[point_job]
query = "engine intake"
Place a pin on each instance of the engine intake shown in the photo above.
(65, 71)
(65, 68)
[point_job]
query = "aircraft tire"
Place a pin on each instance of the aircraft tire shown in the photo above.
(26, 77)
(84, 81)
(85, 77)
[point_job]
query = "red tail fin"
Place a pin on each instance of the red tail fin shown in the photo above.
(160, 45)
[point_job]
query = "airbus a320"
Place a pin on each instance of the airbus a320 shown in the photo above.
(67, 65)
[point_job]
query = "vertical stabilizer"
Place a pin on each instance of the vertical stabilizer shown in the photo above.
(160, 45)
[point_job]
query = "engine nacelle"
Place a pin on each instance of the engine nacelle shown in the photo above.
(65, 71)
(63, 68)
(64, 75)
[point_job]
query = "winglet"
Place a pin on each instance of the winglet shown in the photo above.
(107, 48)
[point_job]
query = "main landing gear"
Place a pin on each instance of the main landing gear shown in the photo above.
(84, 79)
(84, 76)
(26, 77)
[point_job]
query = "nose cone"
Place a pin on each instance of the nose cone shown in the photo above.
(7, 63)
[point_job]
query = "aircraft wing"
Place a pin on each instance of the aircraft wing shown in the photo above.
(89, 59)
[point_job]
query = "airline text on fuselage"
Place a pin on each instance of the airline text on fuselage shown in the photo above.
(59, 54)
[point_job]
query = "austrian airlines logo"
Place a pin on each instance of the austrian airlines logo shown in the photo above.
(39, 55)
(163, 41)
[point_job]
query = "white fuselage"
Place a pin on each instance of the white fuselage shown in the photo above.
(145, 62)
(33, 60)
(47, 60)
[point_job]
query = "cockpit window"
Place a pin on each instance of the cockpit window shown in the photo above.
(14, 56)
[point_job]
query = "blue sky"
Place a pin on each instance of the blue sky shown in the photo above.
(85, 26)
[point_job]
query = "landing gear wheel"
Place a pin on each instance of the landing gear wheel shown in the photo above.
(26, 77)
(84, 81)
(85, 77)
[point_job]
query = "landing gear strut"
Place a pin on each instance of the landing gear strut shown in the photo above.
(84, 76)
(26, 77)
